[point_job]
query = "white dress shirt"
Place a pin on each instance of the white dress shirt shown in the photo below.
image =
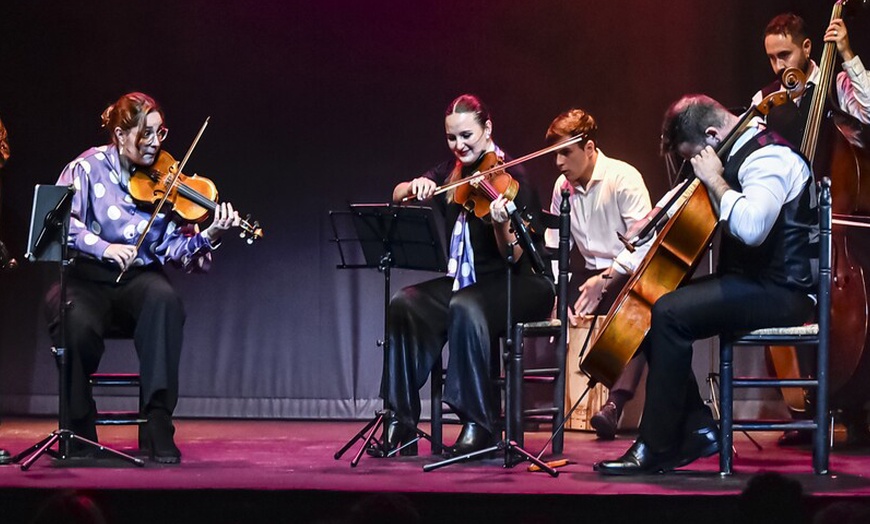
(612, 201)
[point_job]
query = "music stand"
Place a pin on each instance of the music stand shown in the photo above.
(47, 242)
(404, 237)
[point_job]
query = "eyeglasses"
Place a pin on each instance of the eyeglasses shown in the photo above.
(148, 134)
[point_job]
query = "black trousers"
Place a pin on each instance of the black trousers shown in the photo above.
(425, 316)
(704, 308)
(145, 302)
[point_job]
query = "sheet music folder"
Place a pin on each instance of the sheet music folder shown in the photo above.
(408, 233)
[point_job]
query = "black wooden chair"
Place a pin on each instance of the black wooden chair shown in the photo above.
(103, 382)
(815, 335)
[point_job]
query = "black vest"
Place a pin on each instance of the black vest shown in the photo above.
(784, 256)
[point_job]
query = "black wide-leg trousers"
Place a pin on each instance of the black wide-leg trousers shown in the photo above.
(425, 316)
(145, 300)
(704, 308)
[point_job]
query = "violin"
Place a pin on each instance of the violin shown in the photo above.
(476, 196)
(190, 197)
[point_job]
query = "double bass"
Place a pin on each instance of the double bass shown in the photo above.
(843, 157)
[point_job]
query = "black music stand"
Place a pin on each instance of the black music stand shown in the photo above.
(404, 237)
(49, 229)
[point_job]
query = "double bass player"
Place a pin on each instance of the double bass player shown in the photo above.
(787, 46)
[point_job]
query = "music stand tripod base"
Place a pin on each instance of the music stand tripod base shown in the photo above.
(508, 446)
(58, 436)
(370, 442)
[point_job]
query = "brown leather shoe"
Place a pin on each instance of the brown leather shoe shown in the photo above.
(605, 421)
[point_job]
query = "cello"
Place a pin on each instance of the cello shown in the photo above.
(845, 160)
(672, 258)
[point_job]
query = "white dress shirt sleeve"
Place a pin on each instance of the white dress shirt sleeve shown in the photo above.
(853, 89)
(770, 177)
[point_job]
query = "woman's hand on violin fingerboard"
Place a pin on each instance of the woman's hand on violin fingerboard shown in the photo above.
(121, 254)
(498, 211)
(225, 217)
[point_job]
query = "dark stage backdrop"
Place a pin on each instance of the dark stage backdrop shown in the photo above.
(314, 104)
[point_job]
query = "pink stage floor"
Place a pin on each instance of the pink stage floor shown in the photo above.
(284, 471)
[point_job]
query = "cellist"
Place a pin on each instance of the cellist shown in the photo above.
(761, 198)
(103, 229)
(787, 45)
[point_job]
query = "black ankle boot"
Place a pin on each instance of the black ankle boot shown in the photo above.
(394, 436)
(159, 432)
(473, 437)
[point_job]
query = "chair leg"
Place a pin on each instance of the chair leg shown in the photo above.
(437, 415)
(514, 388)
(726, 408)
(821, 450)
(559, 392)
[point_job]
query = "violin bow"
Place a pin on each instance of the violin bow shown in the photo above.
(477, 177)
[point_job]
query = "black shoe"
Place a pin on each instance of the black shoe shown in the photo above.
(160, 431)
(638, 460)
(395, 435)
(700, 443)
(795, 438)
(473, 437)
(605, 421)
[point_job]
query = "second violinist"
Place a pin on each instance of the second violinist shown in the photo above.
(104, 226)
(467, 307)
